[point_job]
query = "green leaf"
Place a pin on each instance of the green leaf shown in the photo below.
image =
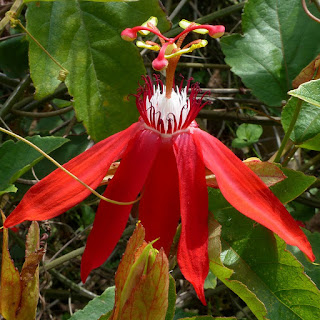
(211, 281)
(224, 273)
(247, 134)
(256, 262)
(103, 69)
(279, 40)
(171, 298)
(295, 184)
(96, 307)
(17, 158)
(312, 270)
(14, 57)
(309, 92)
(312, 144)
(308, 122)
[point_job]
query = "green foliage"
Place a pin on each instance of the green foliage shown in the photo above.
(308, 122)
(17, 158)
(14, 56)
(309, 92)
(171, 299)
(311, 269)
(96, 307)
(103, 69)
(279, 40)
(292, 187)
(247, 134)
(259, 269)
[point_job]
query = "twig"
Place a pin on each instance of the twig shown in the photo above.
(65, 258)
(72, 285)
(8, 81)
(210, 17)
(16, 8)
(310, 163)
(42, 114)
(177, 9)
(289, 131)
(15, 96)
(237, 117)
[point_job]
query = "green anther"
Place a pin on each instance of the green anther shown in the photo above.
(142, 44)
(184, 24)
(153, 21)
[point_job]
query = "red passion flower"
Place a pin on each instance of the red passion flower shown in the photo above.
(164, 155)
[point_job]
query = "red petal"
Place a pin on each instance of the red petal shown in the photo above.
(58, 192)
(245, 191)
(159, 209)
(193, 245)
(128, 181)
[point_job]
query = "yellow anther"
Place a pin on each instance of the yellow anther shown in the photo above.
(195, 46)
(184, 24)
(151, 20)
(142, 44)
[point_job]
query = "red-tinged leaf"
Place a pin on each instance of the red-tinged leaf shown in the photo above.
(30, 275)
(268, 172)
(149, 299)
(10, 290)
(123, 271)
(310, 72)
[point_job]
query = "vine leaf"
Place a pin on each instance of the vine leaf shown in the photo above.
(279, 41)
(256, 265)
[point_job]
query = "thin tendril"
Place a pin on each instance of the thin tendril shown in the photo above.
(305, 8)
(68, 172)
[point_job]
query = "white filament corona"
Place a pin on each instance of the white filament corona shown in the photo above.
(168, 110)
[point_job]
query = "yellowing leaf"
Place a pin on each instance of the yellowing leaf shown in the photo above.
(268, 172)
(10, 281)
(310, 72)
(19, 293)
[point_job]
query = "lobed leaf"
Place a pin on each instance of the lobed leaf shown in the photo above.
(279, 40)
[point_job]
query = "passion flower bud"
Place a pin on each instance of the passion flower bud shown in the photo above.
(142, 281)
(128, 35)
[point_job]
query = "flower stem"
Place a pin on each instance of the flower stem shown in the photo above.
(66, 171)
(289, 131)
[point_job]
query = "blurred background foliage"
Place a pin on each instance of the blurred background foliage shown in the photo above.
(65, 118)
